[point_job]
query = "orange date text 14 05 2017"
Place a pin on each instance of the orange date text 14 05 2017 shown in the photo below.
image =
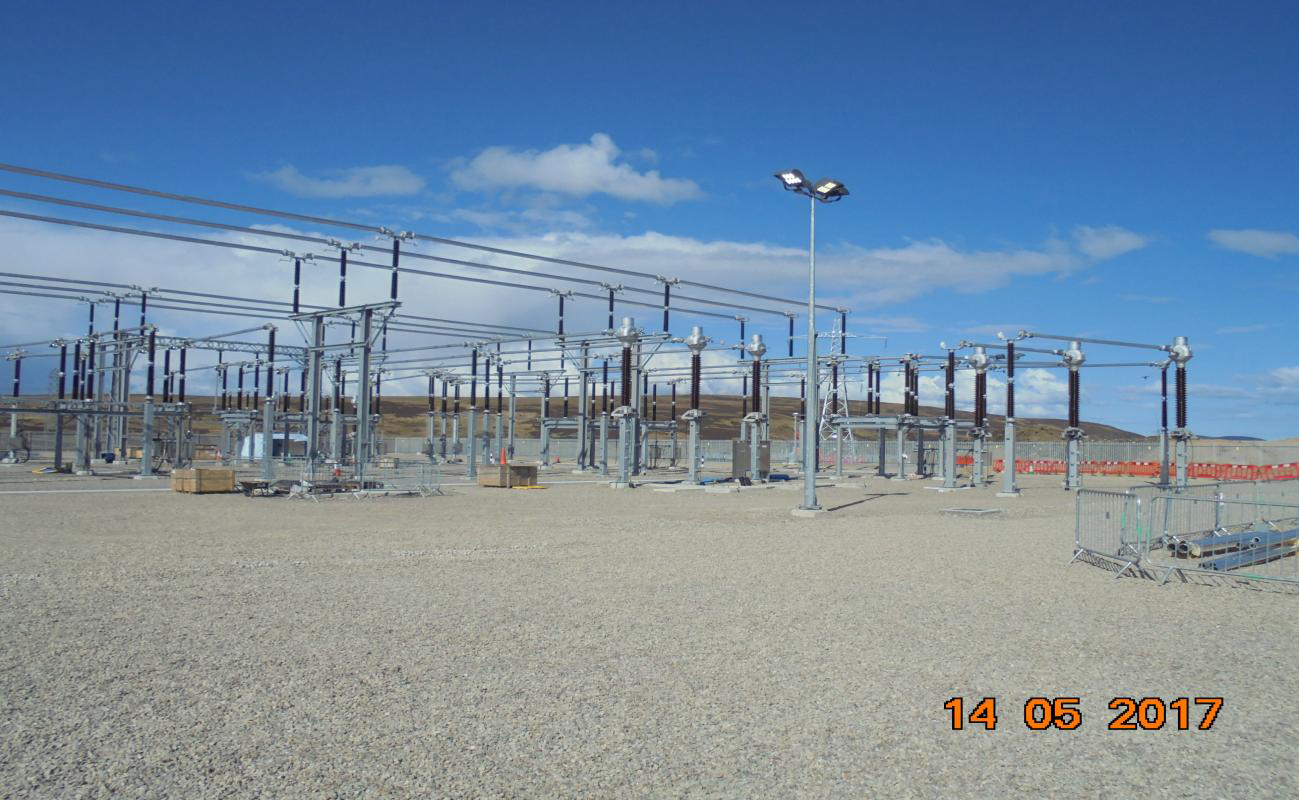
(1065, 714)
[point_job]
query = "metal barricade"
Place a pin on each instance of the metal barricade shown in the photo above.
(1240, 530)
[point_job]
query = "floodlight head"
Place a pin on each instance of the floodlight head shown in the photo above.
(756, 346)
(1180, 351)
(792, 179)
(828, 190)
(696, 341)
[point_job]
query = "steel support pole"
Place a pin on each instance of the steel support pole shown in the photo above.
(838, 456)
(1073, 479)
(692, 451)
(626, 446)
(1009, 488)
(604, 443)
(980, 458)
(900, 447)
(1163, 457)
(81, 463)
(146, 442)
(1183, 458)
(513, 415)
(755, 443)
(58, 437)
(314, 361)
(268, 438)
(920, 453)
(362, 454)
(949, 454)
(471, 458)
(882, 454)
(812, 420)
(583, 398)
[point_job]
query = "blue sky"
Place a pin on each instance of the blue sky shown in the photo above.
(1090, 168)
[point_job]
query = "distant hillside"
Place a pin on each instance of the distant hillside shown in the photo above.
(404, 416)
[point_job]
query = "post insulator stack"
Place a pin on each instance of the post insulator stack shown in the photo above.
(980, 398)
(18, 374)
(181, 398)
(63, 369)
(148, 380)
(473, 380)
(696, 364)
(166, 375)
(949, 409)
(626, 377)
(1010, 380)
(757, 384)
(76, 370)
(1075, 390)
(1181, 396)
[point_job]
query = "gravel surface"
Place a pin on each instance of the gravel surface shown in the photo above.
(582, 641)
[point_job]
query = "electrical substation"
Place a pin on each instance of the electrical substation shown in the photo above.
(296, 389)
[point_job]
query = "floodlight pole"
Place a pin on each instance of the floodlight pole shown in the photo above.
(811, 418)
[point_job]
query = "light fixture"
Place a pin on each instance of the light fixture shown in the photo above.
(792, 179)
(829, 190)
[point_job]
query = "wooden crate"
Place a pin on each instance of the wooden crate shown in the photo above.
(203, 481)
(507, 476)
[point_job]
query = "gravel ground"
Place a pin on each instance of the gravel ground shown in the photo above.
(582, 641)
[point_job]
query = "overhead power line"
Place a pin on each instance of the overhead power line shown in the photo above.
(38, 173)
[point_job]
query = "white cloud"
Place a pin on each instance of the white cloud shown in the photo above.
(1239, 329)
(377, 181)
(579, 170)
(1266, 244)
(1108, 242)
